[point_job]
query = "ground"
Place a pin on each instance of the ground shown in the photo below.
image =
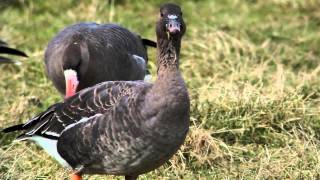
(252, 68)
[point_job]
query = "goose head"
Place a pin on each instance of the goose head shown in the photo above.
(170, 23)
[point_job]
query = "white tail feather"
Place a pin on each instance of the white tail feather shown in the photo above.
(50, 146)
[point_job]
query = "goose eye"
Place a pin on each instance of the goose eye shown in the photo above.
(161, 14)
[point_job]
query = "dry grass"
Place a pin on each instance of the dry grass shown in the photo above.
(251, 66)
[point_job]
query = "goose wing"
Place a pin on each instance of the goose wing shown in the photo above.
(112, 142)
(90, 102)
(108, 143)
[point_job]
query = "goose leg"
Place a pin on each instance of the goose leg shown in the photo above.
(71, 82)
(76, 176)
(131, 177)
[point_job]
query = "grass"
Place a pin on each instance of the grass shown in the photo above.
(252, 69)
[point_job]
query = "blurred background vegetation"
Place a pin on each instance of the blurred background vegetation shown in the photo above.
(252, 69)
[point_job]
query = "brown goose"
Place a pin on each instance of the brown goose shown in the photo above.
(121, 127)
(5, 49)
(85, 54)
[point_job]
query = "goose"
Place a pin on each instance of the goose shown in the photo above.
(84, 54)
(121, 127)
(5, 49)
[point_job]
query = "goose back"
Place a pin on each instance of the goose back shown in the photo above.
(97, 52)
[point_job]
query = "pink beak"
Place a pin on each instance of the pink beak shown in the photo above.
(173, 26)
(71, 82)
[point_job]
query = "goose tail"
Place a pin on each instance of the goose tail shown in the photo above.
(12, 51)
(148, 42)
(18, 127)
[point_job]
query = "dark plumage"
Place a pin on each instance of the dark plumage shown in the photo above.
(96, 53)
(5, 49)
(121, 127)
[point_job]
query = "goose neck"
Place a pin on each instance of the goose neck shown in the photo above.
(168, 54)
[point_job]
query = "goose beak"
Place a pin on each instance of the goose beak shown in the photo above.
(173, 26)
(71, 82)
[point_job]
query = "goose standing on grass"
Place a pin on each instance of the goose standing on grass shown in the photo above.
(5, 49)
(121, 127)
(85, 54)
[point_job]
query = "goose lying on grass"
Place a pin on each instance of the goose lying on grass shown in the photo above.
(121, 127)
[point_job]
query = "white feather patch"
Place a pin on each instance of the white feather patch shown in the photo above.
(139, 59)
(52, 133)
(148, 78)
(84, 119)
(70, 73)
(50, 146)
(170, 16)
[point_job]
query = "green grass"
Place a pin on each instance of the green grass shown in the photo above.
(252, 69)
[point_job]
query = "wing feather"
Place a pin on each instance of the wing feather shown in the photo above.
(99, 99)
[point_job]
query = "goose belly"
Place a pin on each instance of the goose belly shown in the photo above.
(144, 155)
